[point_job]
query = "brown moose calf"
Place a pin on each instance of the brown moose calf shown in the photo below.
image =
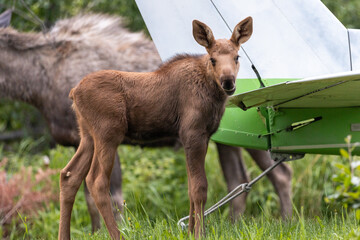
(184, 98)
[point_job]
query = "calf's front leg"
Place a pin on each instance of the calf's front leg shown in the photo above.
(195, 149)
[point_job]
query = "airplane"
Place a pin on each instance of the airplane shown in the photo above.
(299, 79)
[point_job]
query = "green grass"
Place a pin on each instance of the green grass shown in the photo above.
(259, 227)
(155, 190)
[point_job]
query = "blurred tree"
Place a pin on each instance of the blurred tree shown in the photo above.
(51, 10)
(347, 11)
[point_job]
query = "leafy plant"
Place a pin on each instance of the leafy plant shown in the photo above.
(347, 181)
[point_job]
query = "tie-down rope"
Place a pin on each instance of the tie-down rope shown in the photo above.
(244, 187)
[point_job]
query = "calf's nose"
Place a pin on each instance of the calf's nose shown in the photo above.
(228, 84)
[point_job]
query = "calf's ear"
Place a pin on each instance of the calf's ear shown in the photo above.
(203, 34)
(242, 31)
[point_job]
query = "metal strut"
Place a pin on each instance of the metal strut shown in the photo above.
(244, 187)
(262, 85)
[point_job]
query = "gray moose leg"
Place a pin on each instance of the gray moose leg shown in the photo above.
(235, 174)
(280, 178)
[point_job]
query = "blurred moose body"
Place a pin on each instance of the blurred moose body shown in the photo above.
(40, 69)
(185, 99)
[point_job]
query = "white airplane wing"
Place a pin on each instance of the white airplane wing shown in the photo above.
(336, 90)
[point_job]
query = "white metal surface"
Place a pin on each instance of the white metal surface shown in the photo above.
(354, 35)
(291, 39)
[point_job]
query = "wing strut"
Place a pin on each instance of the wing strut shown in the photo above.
(248, 57)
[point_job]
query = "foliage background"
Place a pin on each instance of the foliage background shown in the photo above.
(154, 179)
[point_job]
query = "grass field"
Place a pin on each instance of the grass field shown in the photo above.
(155, 193)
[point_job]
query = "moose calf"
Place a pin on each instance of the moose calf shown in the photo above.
(184, 98)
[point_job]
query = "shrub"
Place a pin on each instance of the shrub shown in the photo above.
(347, 181)
(24, 192)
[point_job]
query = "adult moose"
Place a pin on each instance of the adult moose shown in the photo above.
(185, 99)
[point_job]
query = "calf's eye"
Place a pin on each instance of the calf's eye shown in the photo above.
(236, 59)
(213, 61)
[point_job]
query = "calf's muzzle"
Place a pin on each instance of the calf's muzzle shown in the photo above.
(228, 84)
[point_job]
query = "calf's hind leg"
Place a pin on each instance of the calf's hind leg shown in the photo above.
(70, 180)
(116, 197)
(98, 181)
